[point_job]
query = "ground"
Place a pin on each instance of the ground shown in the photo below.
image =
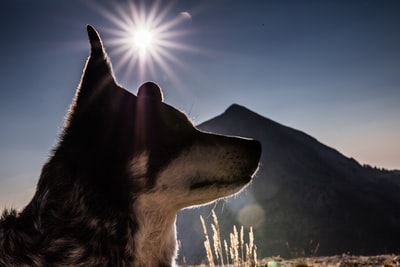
(336, 261)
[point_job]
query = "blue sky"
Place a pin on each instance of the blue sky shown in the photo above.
(328, 68)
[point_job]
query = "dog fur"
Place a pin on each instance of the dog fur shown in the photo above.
(122, 169)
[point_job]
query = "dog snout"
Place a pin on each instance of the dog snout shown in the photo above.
(242, 155)
(246, 154)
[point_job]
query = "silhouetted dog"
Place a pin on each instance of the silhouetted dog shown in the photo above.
(123, 167)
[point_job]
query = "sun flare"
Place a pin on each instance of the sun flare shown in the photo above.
(146, 38)
(142, 38)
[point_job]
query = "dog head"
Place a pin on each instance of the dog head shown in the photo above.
(122, 146)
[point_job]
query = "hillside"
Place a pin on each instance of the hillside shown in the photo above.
(305, 196)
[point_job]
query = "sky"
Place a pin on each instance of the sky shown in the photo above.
(328, 68)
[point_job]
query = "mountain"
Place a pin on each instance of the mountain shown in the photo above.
(307, 198)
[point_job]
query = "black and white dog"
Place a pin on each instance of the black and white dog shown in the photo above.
(123, 167)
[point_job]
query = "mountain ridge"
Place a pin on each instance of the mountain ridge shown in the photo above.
(237, 108)
(304, 190)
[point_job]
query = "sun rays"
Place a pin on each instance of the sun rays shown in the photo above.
(146, 38)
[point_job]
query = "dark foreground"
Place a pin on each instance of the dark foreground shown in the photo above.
(336, 261)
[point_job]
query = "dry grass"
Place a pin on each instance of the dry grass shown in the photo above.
(236, 253)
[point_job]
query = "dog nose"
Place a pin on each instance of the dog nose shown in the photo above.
(254, 149)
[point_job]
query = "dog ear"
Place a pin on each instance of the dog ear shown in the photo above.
(96, 44)
(150, 90)
(97, 86)
(97, 77)
(98, 69)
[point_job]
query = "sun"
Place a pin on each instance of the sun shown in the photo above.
(142, 38)
(146, 38)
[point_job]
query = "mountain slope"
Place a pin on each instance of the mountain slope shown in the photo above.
(306, 195)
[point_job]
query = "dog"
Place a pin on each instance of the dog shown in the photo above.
(124, 165)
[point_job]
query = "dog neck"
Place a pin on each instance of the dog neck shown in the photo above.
(155, 239)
